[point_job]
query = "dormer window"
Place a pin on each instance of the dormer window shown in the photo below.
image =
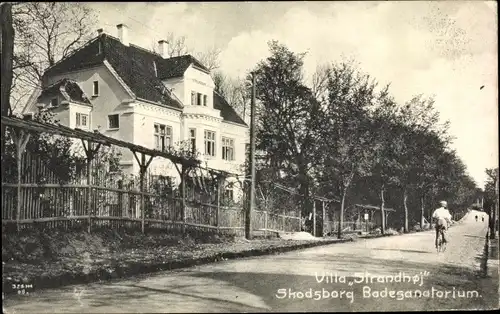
(198, 99)
(54, 102)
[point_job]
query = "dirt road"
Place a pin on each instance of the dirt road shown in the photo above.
(385, 274)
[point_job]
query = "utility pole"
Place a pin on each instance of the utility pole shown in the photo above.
(250, 209)
(494, 217)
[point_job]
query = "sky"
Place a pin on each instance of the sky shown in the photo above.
(444, 49)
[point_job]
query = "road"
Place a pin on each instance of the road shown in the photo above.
(262, 284)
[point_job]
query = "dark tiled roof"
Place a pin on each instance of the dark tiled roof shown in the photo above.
(71, 88)
(176, 66)
(227, 112)
(136, 67)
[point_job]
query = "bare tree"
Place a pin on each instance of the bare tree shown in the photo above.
(320, 82)
(46, 32)
(176, 45)
(210, 58)
(220, 82)
(235, 91)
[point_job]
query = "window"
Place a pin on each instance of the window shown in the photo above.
(163, 136)
(228, 193)
(82, 119)
(96, 88)
(227, 148)
(209, 143)
(199, 99)
(192, 140)
(54, 102)
(114, 121)
(193, 99)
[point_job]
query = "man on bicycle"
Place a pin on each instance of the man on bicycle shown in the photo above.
(442, 218)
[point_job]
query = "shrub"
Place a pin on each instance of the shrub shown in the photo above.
(351, 236)
(391, 231)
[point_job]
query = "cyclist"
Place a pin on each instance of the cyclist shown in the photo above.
(442, 218)
(476, 217)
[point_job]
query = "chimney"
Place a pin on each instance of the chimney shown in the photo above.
(163, 45)
(123, 33)
(99, 32)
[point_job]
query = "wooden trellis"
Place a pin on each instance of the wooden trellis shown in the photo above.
(92, 142)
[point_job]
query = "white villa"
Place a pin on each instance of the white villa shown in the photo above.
(146, 98)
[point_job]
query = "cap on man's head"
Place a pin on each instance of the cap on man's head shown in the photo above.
(443, 203)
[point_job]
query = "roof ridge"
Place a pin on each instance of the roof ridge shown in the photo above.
(73, 52)
(145, 49)
(55, 83)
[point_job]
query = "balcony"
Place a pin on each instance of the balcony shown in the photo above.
(194, 111)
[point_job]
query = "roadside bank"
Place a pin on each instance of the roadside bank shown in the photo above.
(39, 260)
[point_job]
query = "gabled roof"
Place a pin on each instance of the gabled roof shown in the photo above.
(176, 66)
(136, 67)
(69, 89)
(227, 112)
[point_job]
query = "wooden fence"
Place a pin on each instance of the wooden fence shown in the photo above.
(115, 201)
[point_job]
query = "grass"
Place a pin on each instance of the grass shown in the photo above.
(51, 258)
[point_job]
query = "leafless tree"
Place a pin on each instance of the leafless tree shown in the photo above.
(46, 32)
(320, 81)
(210, 58)
(235, 91)
(177, 46)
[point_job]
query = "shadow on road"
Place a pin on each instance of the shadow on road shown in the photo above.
(231, 304)
(408, 251)
(473, 236)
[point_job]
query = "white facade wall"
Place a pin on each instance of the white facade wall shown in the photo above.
(137, 119)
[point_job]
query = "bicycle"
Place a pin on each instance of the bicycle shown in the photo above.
(441, 245)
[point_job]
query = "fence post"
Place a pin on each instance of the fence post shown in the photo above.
(19, 198)
(284, 220)
(21, 140)
(265, 223)
(90, 153)
(89, 195)
(314, 217)
(324, 217)
(183, 200)
(141, 187)
(218, 204)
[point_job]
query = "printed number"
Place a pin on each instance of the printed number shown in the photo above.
(22, 286)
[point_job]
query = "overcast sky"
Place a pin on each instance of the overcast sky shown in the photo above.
(443, 48)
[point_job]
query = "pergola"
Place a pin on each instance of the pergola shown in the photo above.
(92, 141)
